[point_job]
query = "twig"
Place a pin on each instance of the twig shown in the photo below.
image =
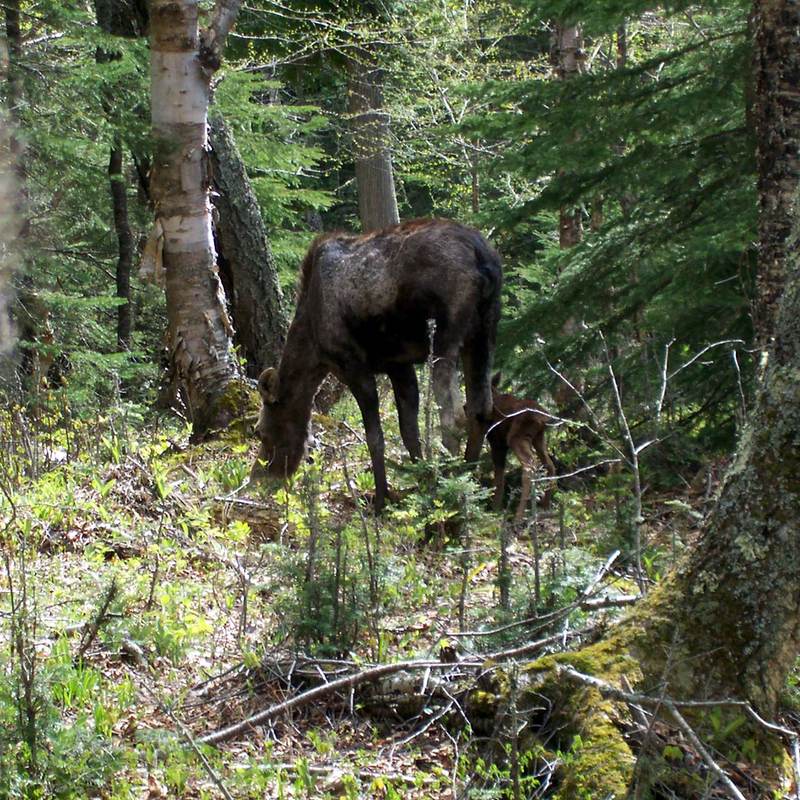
(102, 612)
(664, 378)
(531, 647)
(704, 350)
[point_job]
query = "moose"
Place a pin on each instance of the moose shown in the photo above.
(364, 306)
(520, 425)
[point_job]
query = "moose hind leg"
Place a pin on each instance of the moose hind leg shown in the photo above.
(406, 395)
(443, 369)
(365, 391)
(477, 363)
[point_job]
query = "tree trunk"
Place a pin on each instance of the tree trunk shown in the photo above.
(742, 626)
(119, 203)
(200, 334)
(726, 623)
(570, 226)
(8, 233)
(245, 258)
(377, 201)
(776, 115)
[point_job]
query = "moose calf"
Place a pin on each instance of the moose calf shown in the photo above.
(518, 424)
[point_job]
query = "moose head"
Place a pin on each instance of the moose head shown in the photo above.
(282, 428)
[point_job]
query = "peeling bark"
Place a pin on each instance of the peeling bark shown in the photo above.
(200, 332)
(119, 202)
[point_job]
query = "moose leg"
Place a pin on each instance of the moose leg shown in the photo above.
(366, 393)
(540, 445)
(443, 369)
(499, 453)
(477, 365)
(406, 395)
(524, 453)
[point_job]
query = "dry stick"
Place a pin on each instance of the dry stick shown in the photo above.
(664, 378)
(531, 647)
(698, 745)
(429, 390)
(91, 632)
(741, 388)
(373, 586)
(633, 462)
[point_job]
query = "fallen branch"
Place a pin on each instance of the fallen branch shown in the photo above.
(348, 682)
(92, 629)
(371, 675)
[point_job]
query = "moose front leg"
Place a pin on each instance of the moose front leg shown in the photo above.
(406, 395)
(365, 391)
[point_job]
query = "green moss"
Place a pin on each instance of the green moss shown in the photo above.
(235, 410)
(599, 763)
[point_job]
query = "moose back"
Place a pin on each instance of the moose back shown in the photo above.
(363, 308)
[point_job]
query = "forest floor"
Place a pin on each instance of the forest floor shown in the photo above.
(158, 600)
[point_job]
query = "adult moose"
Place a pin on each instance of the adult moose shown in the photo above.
(363, 308)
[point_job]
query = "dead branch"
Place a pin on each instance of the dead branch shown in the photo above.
(348, 682)
(92, 629)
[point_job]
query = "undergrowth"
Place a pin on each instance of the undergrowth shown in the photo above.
(138, 568)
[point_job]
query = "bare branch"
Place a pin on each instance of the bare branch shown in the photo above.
(698, 745)
(212, 39)
(704, 350)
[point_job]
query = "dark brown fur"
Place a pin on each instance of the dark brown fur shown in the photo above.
(520, 425)
(362, 309)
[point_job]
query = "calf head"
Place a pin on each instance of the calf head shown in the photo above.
(283, 433)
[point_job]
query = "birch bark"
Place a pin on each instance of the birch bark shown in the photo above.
(183, 59)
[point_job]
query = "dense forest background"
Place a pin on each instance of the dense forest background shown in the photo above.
(608, 150)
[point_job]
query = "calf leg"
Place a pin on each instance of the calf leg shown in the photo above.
(499, 453)
(406, 395)
(524, 453)
(365, 391)
(540, 445)
(443, 369)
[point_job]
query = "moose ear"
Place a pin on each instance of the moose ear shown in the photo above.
(268, 385)
(496, 380)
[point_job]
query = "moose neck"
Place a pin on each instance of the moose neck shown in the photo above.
(300, 372)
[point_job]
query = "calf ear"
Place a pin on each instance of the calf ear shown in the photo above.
(496, 380)
(268, 385)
